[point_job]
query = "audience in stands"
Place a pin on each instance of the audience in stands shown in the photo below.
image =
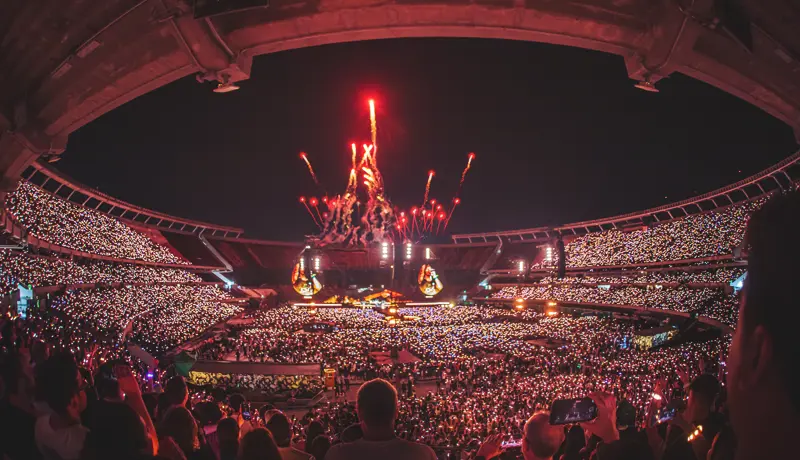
(492, 368)
(712, 302)
(715, 233)
(65, 224)
(21, 267)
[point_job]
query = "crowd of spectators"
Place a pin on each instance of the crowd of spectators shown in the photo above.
(158, 317)
(492, 373)
(294, 386)
(487, 371)
(681, 299)
(713, 233)
(722, 275)
(60, 222)
(20, 267)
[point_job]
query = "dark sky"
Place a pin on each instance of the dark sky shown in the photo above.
(560, 134)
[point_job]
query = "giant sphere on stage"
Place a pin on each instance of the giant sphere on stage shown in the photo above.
(303, 284)
(428, 281)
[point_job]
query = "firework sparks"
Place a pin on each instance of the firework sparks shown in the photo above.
(303, 200)
(362, 216)
(373, 127)
(431, 173)
(470, 157)
(456, 202)
(304, 157)
(314, 203)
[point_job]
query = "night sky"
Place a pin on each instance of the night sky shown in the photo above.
(560, 135)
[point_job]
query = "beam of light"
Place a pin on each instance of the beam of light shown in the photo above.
(353, 146)
(304, 157)
(431, 173)
(373, 126)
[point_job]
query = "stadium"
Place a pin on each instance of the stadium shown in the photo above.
(477, 333)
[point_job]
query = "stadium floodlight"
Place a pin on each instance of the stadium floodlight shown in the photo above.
(521, 266)
(409, 251)
(225, 88)
(548, 254)
(302, 264)
(427, 253)
(646, 85)
(384, 250)
(316, 264)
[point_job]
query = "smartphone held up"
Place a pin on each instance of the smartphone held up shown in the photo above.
(574, 410)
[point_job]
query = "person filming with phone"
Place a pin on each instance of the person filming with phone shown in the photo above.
(670, 438)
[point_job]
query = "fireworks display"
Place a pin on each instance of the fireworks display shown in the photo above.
(351, 220)
(304, 157)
